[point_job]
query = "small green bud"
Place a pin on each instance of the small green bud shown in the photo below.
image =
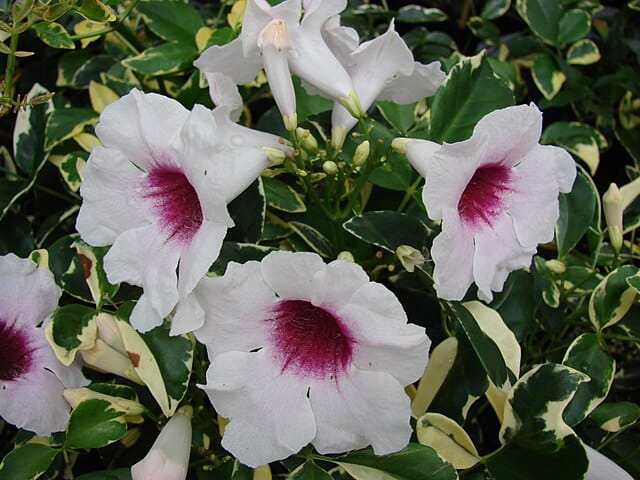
(409, 257)
(556, 266)
(346, 255)
(330, 167)
(275, 155)
(307, 140)
(361, 154)
(399, 144)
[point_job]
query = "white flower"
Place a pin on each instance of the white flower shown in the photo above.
(274, 38)
(381, 69)
(157, 192)
(602, 468)
(302, 351)
(31, 378)
(168, 458)
(497, 196)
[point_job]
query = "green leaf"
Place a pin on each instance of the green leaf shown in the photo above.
(248, 211)
(166, 58)
(307, 104)
(517, 303)
(389, 230)
(630, 140)
(615, 416)
(309, 471)
(95, 276)
(581, 139)
(536, 441)
(448, 439)
(174, 355)
(112, 474)
(312, 237)
(578, 209)
(585, 355)
(28, 133)
(547, 76)
(414, 462)
(484, 29)
(487, 352)
(240, 253)
(583, 52)
(613, 297)
(67, 267)
(95, 423)
(418, 14)
(65, 123)
(542, 16)
(470, 91)
(69, 166)
(162, 19)
(95, 10)
(395, 173)
(574, 25)
(493, 9)
(27, 462)
(54, 35)
(71, 329)
(281, 196)
(400, 117)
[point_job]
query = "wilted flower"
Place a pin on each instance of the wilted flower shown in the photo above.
(302, 351)
(497, 196)
(381, 69)
(274, 38)
(31, 378)
(157, 192)
(168, 458)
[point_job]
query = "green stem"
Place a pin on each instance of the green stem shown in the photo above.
(408, 195)
(11, 64)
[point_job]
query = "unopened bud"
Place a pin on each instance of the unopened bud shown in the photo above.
(307, 140)
(556, 266)
(109, 333)
(330, 167)
(361, 154)
(275, 155)
(352, 104)
(290, 121)
(409, 257)
(612, 206)
(346, 256)
(399, 144)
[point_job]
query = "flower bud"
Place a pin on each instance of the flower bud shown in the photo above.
(409, 257)
(330, 167)
(275, 155)
(361, 154)
(109, 333)
(168, 458)
(307, 140)
(346, 256)
(399, 144)
(556, 266)
(352, 104)
(612, 205)
(106, 359)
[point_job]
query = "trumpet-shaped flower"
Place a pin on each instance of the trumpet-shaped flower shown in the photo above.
(274, 38)
(496, 194)
(381, 69)
(157, 192)
(302, 351)
(168, 458)
(30, 375)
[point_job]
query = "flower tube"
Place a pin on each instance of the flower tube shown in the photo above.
(157, 192)
(496, 194)
(302, 351)
(31, 377)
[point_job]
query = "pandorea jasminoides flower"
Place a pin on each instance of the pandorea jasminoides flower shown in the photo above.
(602, 468)
(274, 38)
(157, 192)
(31, 377)
(381, 69)
(496, 194)
(302, 351)
(168, 458)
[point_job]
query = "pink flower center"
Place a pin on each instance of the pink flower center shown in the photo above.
(483, 197)
(174, 201)
(15, 352)
(309, 341)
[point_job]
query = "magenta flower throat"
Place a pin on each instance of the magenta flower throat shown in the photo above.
(15, 352)
(483, 199)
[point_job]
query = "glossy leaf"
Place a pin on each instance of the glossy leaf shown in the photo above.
(419, 14)
(470, 91)
(161, 18)
(54, 35)
(29, 133)
(166, 58)
(574, 25)
(95, 423)
(613, 297)
(583, 52)
(542, 16)
(400, 117)
(615, 416)
(313, 238)
(248, 211)
(493, 9)
(581, 139)
(547, 76)
(27, 462)
(448, 439)
(309, 471)
(72, 328)
(95, 10)
(395, 173)
(64, 123)
(281, 196)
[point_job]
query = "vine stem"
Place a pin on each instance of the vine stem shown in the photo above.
(10, 67)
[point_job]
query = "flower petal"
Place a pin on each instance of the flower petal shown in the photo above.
(422, 82)
(28, 295)
(334, 285)
(384, 341)
(420, 154)
(293, 275)
(234, 135)
(564, 166)
(224, 92)
(270, 414)
(364, 408)
(453, 253)
(230, 60)
(235, 307)
(602, 468)
(110, 204)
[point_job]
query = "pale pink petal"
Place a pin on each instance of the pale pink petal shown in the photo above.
(229, 60)
(293, 275)
(453, 254)
(563, 165)
(110, 203)
(28, 294)
(224, 92)
(384, 341)
(269, 412)
(420, 154)
(602, 468)
(144, 316)
(422, 82)
(341, 40)
(189, 315)
(235, 307)
(335, 285)
(362, 408)
(512, 133)
(248, 164)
